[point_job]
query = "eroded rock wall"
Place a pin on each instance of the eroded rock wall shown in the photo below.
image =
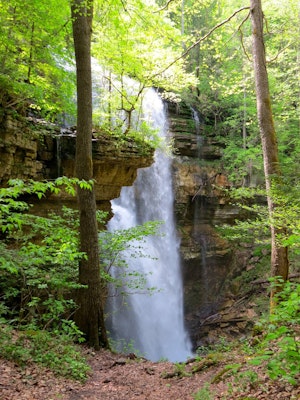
(30, 148)
(26, 148)
(208, 261)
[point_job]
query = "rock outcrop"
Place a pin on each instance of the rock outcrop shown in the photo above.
(31, 148)
(201, 205)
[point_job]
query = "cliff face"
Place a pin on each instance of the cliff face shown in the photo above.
(208, 262)
(30, 148)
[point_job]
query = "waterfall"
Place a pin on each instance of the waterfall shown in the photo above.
(201, 215)
(153, 324)
(58, 154)
(199, 137)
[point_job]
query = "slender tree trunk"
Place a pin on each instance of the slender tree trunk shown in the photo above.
(279, 254)
(6, 52)
(89, 316)
(30, 59)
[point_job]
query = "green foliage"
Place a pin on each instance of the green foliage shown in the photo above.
(38, 264)
(40, 257)
(34, 51)
(180, 370)
(39, 271)
(222, 346)
(204, 393)
(242, 383)
(247, 378)
(124, 346)
(225, 92)
(279, 348)
(39, 260)
(286, 197)
(56, 352)
(145, 134)
(136, 48)
(274, 347)
(113, 245)
(254, 219)
(138, 42)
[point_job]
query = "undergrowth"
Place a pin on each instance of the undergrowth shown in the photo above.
(278, 347)
(56, 352)
(39, 259)
(272, 350)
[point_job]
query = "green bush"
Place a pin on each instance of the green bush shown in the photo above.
(39, 260)
(204, 393)
(279, 348)
(56, 352)
(38, 272)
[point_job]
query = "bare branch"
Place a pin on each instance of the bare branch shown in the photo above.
(124, 6)
(277, 55)
(242, 43)
(186, 52)
(279, 51)
(164, 7)
(266, 23)
(242, 35)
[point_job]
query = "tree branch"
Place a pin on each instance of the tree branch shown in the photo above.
(124, 6)
(277, 55)
(164, 7)
(203, 38)
(242, 35)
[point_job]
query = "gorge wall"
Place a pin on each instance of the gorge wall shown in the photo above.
(30, 148)
(209, 264)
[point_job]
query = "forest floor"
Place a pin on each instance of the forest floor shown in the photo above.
(224, 376)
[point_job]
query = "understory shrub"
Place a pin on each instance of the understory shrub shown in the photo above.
(279, 348)
(57, 352)
(39, 258)
(38, 267)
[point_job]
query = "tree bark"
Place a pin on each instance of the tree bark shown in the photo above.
(279, 254)
(89, 316)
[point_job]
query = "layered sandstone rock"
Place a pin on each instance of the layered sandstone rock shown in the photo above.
(33, 149)
(30, 148)
(201, 206)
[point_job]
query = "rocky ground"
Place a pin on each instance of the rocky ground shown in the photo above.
(116, 377)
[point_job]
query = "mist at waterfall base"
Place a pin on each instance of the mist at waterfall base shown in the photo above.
(152, 324)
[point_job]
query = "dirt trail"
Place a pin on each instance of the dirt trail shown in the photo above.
(116, 377)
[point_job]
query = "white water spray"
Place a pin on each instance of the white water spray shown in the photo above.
(153, 324)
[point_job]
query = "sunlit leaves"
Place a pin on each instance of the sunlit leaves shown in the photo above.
(225, 90)
(136, 48)
(40, 254)
(279, 349)
(35, 54)
(113, 246)
(11, 208)
(136, 42)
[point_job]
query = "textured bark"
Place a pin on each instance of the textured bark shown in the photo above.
(279, 256)
(89, 316)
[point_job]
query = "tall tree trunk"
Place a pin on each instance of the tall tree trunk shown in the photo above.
(279, 254)
(89, 316)
(30, 59)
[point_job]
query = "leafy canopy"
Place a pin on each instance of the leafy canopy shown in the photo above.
(36, 54)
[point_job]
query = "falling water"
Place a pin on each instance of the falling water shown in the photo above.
(58, 154)
(154, 324)
(199, 137)
(199, 233)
